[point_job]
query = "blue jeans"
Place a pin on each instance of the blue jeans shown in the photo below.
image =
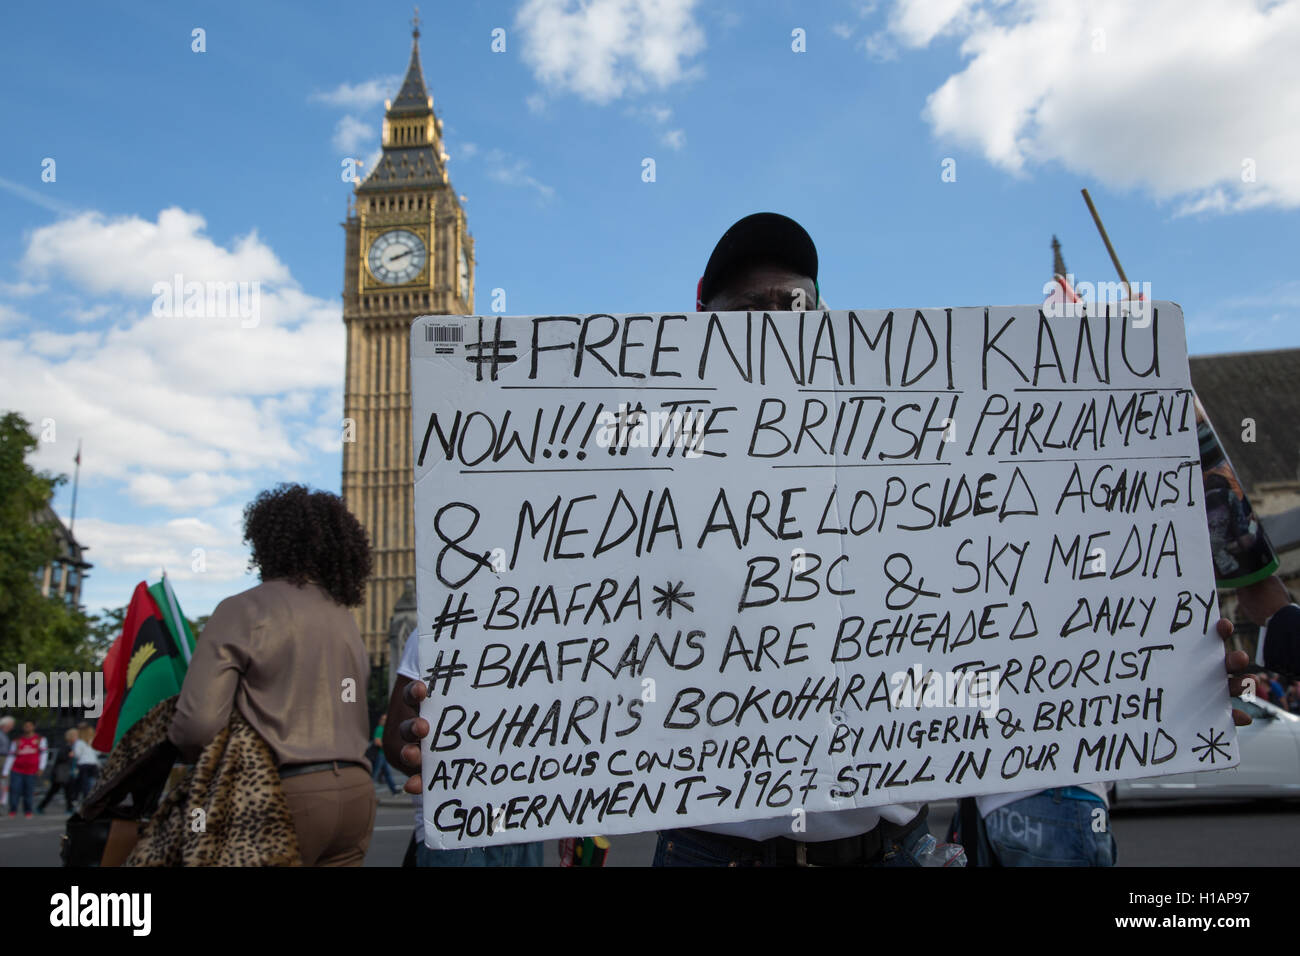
(1065, 826)
(699, 848)
(21, 785)
(87, 774)
(508, 854)
(381, 766)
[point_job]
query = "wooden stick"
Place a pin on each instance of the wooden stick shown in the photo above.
(1109, 248)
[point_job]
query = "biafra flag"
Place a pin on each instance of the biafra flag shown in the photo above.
(146, 664)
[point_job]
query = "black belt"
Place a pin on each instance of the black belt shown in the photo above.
(294, 769)
(857, 850)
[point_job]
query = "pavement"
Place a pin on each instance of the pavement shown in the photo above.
(1243, 834)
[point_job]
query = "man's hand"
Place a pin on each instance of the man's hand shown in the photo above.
(414, 729)
(1232, 661)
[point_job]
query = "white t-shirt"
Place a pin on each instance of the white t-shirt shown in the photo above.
(85, 753)
(832, 825)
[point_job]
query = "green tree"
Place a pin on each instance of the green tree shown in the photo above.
(42, 632)
(105, 628)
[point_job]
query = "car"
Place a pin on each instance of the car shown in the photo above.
(1269, 767)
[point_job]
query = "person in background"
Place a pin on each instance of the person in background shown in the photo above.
(6, 728)
(87, 760)
(1279, 692)
(26, 762)
(1269, 606)
(63, 772)
(381, 764)
(288, 656)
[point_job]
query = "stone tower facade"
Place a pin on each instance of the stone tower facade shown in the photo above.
(408, 252)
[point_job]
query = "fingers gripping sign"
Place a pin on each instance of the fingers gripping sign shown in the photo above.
(413, 731)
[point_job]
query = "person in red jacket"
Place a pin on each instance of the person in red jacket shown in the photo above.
(25, 763)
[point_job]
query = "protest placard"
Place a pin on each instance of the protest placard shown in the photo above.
(680, 569)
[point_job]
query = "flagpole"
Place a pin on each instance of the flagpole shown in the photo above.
(173, 608)
(76, 480)
(1109, 248)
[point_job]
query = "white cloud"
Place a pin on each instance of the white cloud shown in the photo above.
(602, 49)
(92, 313)
(351, 133)
(147, 548)
(196, 490)
(1171, 96)
(508, 170)
(56, 344)
(359, 96)
(21, 289)
(175, 415)
(658, 115)
(842, 30)
(10, 315)
(127, 255)
(153, 394)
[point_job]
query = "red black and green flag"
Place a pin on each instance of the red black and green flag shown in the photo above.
(146, 664)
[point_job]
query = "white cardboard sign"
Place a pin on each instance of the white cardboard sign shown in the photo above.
(683, 569)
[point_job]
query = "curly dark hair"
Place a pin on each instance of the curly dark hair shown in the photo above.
(300, 535)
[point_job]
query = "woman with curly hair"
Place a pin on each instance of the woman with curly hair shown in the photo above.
(283, 653)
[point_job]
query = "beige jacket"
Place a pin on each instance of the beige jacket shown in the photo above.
(291, 660)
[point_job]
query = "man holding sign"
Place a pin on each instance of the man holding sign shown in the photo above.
(827, 732)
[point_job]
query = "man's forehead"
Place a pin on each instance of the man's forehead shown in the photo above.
(763, 277)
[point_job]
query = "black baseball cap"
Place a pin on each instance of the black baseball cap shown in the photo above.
(766, 237)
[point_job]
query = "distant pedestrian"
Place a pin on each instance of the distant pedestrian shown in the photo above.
(87, 760)
(63, 772)
(381, 764)
(6, 727)
(26, 762)
(1275, 685)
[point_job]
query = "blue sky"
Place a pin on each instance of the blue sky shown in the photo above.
(1182, 118)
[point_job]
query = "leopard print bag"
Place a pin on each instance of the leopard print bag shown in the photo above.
(226, 810)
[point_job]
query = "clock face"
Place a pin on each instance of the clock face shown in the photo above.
(396, 257)
(464, 273)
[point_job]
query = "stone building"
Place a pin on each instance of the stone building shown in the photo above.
(408, 252)
(64, 576)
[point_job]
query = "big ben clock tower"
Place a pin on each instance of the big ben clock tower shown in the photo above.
(408, 253)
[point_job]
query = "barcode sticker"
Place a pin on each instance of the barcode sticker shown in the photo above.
(444, 336)
(444, 333)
